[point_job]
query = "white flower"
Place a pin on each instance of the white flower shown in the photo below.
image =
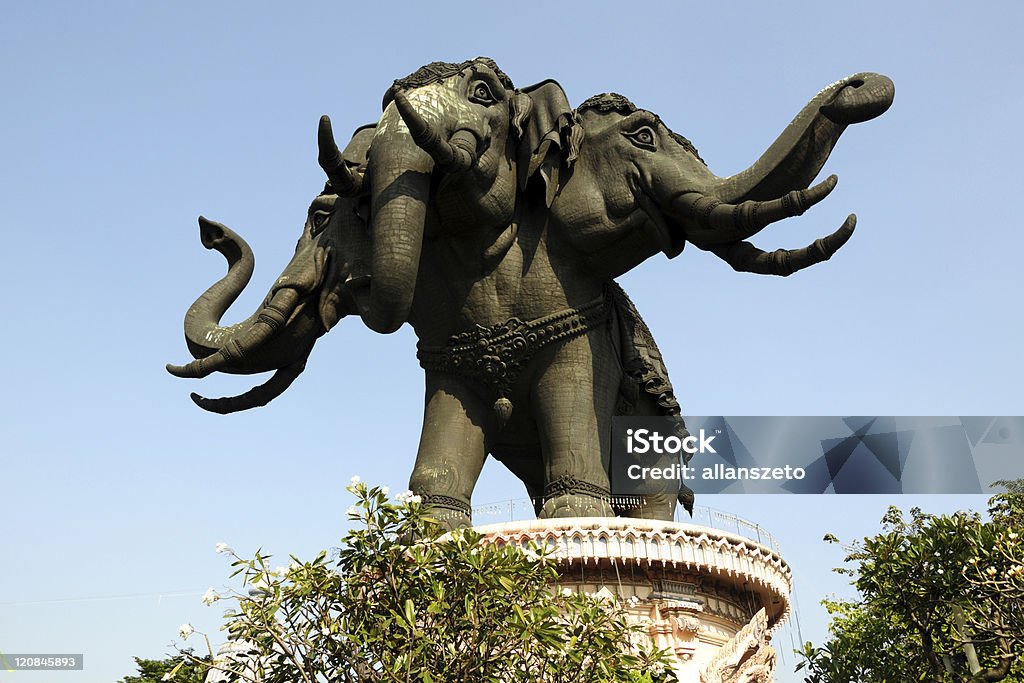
(325, 631)
(1012, 535)
(408, 497)
(185, 630)
(385, 490)
(991, 571)
(210, 596)
(222, 548)
(352, 512)
(356, 480)
(567, 592)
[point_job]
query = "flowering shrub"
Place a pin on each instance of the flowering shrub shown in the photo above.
(444, 607)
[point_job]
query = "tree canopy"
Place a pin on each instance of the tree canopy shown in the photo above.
(185, 668)
(941, 600)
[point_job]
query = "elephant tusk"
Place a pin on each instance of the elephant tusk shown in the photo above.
(744, 257)
(717, 222)
(256, 397)
(268, 321)
(452, 156)
(342, 179)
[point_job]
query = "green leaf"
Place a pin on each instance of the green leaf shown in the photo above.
(410, 612)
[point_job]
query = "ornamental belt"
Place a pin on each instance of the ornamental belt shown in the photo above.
(495, 356)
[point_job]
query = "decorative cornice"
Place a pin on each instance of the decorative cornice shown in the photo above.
(711, 552)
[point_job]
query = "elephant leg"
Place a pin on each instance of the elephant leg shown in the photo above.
(653, 505)
(453, 446)
(575, 394)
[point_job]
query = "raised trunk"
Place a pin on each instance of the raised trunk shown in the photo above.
(796, 157)
(203, 332)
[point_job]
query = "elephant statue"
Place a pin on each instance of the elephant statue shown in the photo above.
(496, 220)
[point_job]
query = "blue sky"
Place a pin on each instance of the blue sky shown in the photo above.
(123, 121)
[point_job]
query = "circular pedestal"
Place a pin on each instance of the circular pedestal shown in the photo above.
(710, 597)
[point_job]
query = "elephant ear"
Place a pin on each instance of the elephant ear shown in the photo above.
(355, 151)
(543, 120)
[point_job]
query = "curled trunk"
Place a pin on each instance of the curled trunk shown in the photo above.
(277, 335)
(203, 332)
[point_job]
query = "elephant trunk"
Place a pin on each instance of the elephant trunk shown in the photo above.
(796, 157)
(203, 332)
(400, 173)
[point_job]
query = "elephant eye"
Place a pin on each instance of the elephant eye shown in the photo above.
(481, 94)
(319, 221)
(642, 137)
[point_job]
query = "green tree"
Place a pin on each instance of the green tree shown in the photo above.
(941, 600)
(154, 670)
(446, 607)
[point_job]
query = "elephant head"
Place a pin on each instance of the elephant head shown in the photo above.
(324, 281)
(657, 193)
(439, 157)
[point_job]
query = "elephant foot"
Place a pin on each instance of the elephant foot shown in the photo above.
(452, 513)
(574, 505)
(571, 497)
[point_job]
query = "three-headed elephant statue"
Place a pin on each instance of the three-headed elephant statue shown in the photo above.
(493, 220)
